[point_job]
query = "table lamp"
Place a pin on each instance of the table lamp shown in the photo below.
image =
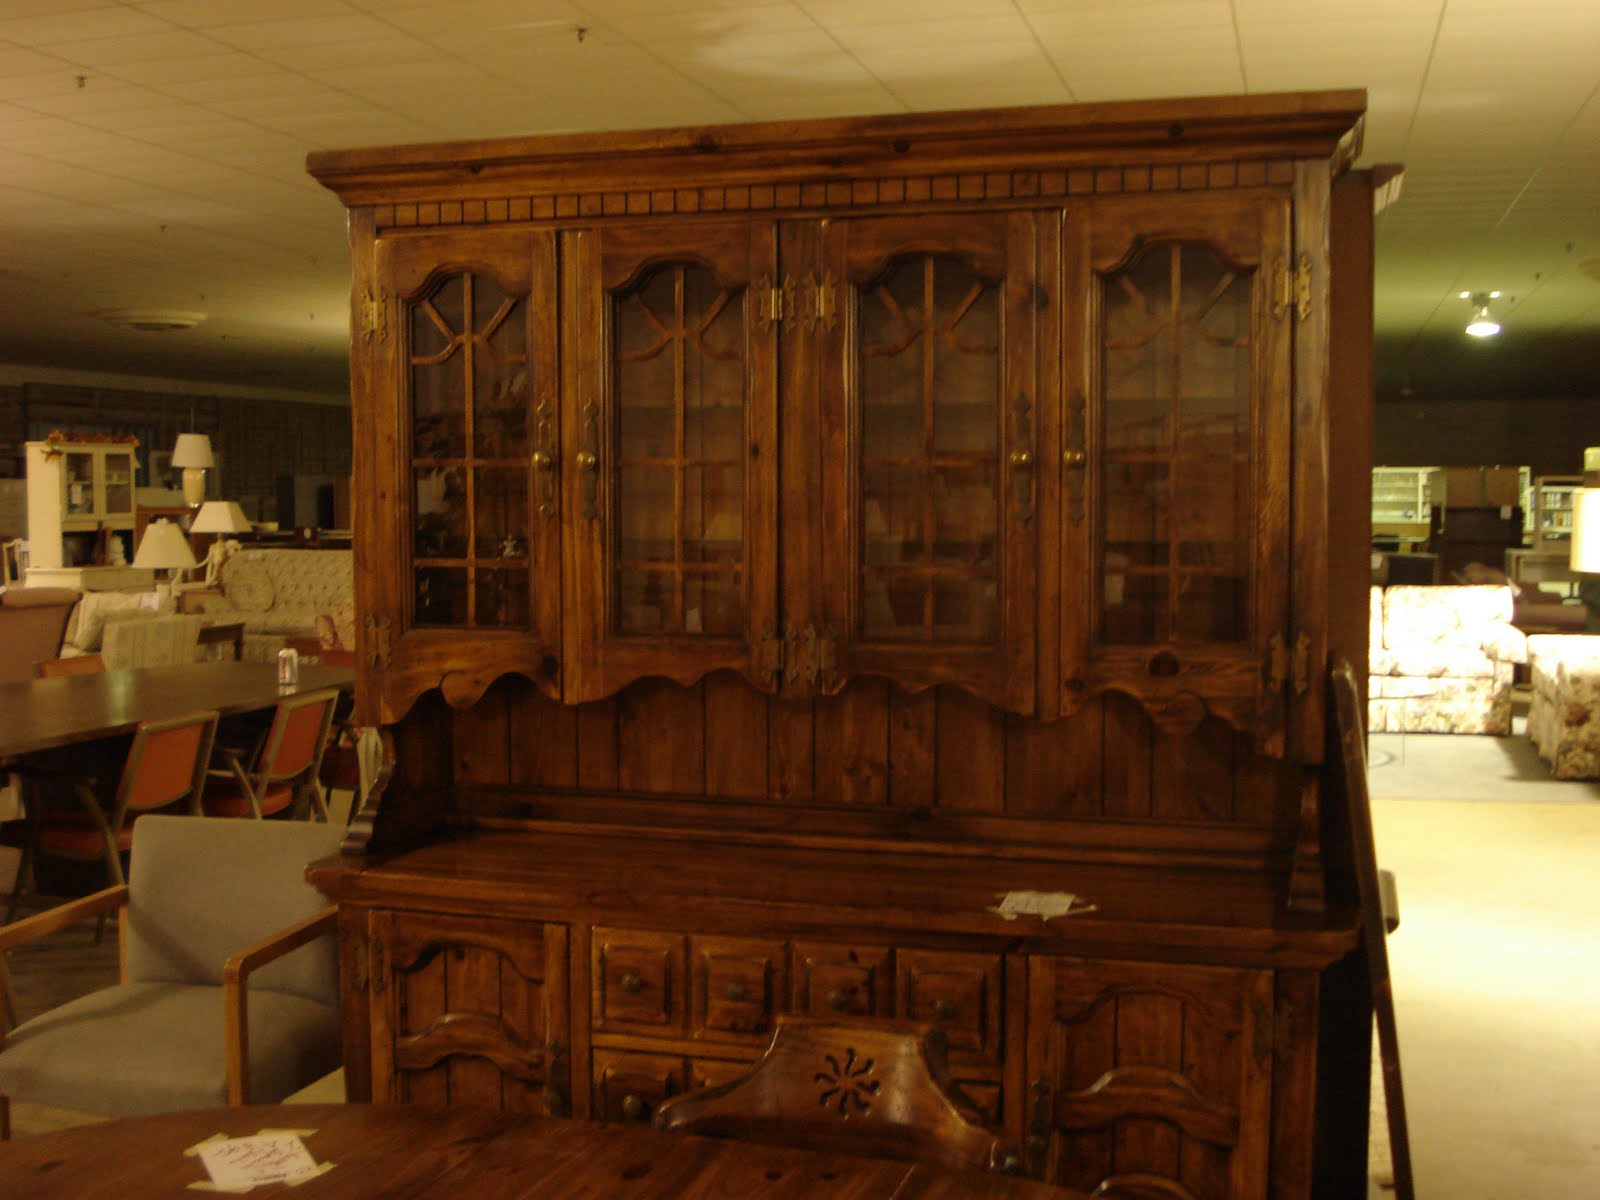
(164, 547)
(219, 517)
(193, 455)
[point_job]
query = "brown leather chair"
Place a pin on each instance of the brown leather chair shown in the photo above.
(32, 624)
(857, 1086)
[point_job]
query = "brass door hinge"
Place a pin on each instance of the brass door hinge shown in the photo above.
(378, 641)
(373, 317)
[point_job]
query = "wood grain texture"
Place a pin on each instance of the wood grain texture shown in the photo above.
(432, 1154)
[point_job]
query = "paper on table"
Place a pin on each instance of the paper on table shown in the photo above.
(1040, 904)
(238, 1164)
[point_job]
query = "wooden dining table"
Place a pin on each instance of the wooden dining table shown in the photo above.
(46, 714)
(380, 1151)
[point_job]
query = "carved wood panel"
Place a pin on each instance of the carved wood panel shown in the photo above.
(1150, 1079)
(469, 1012)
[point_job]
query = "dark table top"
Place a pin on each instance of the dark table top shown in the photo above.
(46, 713)
(428, 1154)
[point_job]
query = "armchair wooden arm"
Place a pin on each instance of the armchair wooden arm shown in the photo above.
(235, 994)
(30, 929)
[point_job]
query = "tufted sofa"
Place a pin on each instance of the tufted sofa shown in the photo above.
(279, 593)
(1564, 711)
(1442, 660)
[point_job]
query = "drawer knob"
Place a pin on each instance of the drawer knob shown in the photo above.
(632, 1107)
(944, 1008)
(736, 992)
(838, 999)
(632, 984)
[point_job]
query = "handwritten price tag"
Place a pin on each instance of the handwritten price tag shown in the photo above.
(245, 1162)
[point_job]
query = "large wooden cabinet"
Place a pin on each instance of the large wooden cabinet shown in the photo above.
(782, 542)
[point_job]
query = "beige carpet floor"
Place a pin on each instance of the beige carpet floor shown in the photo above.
(1496, 966)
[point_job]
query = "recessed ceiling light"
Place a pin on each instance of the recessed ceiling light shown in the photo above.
(152, 320)
(1482, 324)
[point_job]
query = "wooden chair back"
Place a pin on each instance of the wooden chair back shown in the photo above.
(58, 668)
(858, 1086)
(166, 765)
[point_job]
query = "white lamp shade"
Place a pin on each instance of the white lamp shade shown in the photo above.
(220, 516)
(192, 450)
(1586, 531)
(164, 547)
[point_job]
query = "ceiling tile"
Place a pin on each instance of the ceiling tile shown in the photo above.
(70, 22)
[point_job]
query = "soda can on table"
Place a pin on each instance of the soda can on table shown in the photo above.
(288, 667)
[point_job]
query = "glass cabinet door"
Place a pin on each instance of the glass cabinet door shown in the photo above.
(118, 489)
(929, 454)
(671, 430)
(77, 481)
(475, 379)
(1185, 443)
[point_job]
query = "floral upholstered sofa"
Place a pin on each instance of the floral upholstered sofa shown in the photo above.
(281, 593)
(1564, 712)
(1442, 660)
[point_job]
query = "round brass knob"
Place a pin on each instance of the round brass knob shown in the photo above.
(542, 460)
(1074, 458)
(944, 1008)
(632, 984)
(736, 992)
(1021, 458)
(587, 460)
(632, 1107)
(838, 999)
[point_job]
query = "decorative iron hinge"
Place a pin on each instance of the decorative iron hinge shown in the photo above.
(820, 301)
(769, 656)
(374, 317)
(1300, 664)
(774, 301)
(1276, 667)
(1302, 285)
(1292, 285)
(378, 641)
(810, 655)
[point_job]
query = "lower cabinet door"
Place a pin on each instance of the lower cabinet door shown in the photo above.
(1149, 1079)
(469, 1011)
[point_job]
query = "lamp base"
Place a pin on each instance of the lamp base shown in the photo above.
(194, 486)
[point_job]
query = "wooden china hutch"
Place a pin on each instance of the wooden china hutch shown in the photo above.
(784, 548)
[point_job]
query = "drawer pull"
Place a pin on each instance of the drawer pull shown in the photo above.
(632, 984)
(838, 999)
(632, 1107)
(944, 1008)
(736, 992)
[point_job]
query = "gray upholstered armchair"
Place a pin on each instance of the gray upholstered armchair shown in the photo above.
(224, 998)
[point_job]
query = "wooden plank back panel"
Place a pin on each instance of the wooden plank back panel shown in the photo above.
(874, 745)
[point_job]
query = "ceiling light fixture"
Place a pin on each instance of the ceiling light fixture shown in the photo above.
(1482, 324)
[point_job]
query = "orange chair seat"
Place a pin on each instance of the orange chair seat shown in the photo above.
(222, 800)
(71, 837)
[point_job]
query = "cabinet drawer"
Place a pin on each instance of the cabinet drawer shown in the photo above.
(628, 1086)
(736, 984)
(637, 980)
(852, 980)
(958, 992)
